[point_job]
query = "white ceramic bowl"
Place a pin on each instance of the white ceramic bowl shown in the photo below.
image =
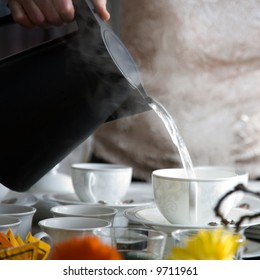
(183, 200)
(94, 182)
(99, 212)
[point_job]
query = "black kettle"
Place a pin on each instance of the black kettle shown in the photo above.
(57, 87)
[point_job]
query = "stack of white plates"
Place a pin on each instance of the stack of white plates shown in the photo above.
(253, 232)
(252, 203)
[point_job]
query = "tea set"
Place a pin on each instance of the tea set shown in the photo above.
(99, 193)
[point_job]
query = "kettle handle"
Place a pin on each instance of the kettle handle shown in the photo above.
(100, 21)
(8, 19)
(120, 54)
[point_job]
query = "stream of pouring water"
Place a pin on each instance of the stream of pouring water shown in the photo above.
(176, 138)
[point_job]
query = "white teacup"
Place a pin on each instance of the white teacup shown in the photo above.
(243, 175)
(242, 178)
(62, 228)
(93, 211)
(183, 200)
(24, 213)
(95, 182)
(11, 222)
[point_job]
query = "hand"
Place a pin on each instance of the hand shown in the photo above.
(100, 6)
(31, 13)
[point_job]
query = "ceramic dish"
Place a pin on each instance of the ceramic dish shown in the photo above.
(252, 250)
(18, 198)
(139, 194)
(250, 202)
(253, 232)
(254, 185)
(150, 216)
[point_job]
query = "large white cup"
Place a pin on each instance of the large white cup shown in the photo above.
(62, 228)
(95, 182)
(243, 175)
(178, 197)
(24, 213)
(242, 178)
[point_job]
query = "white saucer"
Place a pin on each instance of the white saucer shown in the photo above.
(139, 194)
(151, 216)
(253, 232)
(250, 202)
(12, 197)
(254, 185)
(252, 250)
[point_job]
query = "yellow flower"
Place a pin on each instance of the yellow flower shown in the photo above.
(208, 245)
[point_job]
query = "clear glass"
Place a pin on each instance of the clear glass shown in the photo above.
(180, 238)
(134, 243)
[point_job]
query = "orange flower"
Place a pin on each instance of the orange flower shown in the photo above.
(84, 248)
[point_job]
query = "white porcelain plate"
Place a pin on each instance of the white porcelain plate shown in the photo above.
(254, 185)
(24, 198)
(252, 249)
(139, 194)
(250, 202)
(151, 216)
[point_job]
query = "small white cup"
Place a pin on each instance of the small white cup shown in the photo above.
(24, 213)
(94, 182)
(11, 222)
(62, 228)
(173, 191)
(95, 211)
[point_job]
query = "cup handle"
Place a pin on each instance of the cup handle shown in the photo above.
(89, 181)
(43, 236)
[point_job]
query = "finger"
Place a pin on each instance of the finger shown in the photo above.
(65, 9)
(100, 6)
(19, 15)
(32, 11)
(51, 15)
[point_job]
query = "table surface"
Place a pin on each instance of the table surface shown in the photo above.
(43, 206)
